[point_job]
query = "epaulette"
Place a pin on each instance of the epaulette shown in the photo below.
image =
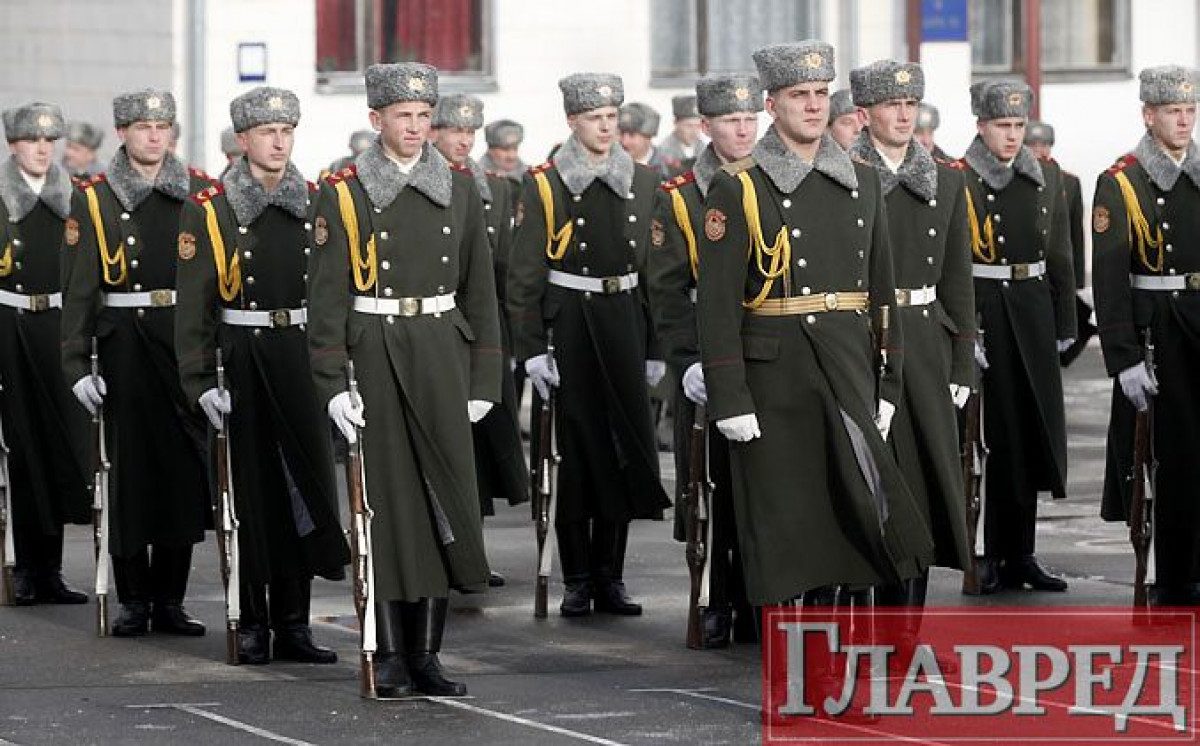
(198, 173)
(684, 178)
(208, 193)
(342, 174)
(736, 167)
(460, 167)
(1122, 163)
(85, 183)
(543, 167)
(958, 165)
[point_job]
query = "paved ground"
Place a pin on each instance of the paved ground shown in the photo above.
(599, 680)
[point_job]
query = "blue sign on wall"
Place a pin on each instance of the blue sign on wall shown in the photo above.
(943, 20)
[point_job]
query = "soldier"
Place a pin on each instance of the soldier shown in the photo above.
(683, 144)
(928, 120)
(242, 247)
(401, 282)
(729, 106)
(575, 270)
(639, 127)
(1024, 290)
(789, 358)
(79, 155)
(360, 140)
(499, 460)
(1039, 137)
(231, 148)
(1146, 254)
(935, 305)
(45, 429)
(121, 244)
(845, 120)
(503, 138)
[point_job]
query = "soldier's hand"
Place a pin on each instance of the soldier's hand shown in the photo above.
(740, 428)
(90, 391)
(347, 415)
(693, 384)
(543, 373)
(980, 355)
(959, 395)
(477, 409)
(1139, 385)
(883, 417)
(1065, 344)
(216, 403)
(655, 370)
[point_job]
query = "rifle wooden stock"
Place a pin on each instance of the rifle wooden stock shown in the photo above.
(360, 550)
(7, 558)
(698, 493)
(225, 523)
(1141, 507)
(545, 487)
(100, 469)
(972, 455)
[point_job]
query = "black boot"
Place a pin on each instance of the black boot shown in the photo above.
(254, 636)
(391, 674)
(51, 589)
(718, 623)
(290, 601)
(495, 580)
(608, 562)
(132, 575)
(424, 622)
(1022, 571)
(989, 575)
(573, 553)
(747, 623)
(24, 588)
(169, 569)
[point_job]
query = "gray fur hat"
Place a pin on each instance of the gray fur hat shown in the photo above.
(724, 93)
(229, 142)
(782, 65)
(7, 115)
(85, 134)
(928, 117)
(977, 95)
(264, 105)
(684, 107)
(1167, 84)
(459, 110)
(1039, 133)
(840, 104)
(360, 140)
(586, 91)
(887, 80)
(148, 105)
(1004, 98)
(640, 118)
(503, 133)
(403, 81)
(34, 120)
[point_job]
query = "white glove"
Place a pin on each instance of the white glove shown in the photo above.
(883, 417)
(959, 395)
(980, 355)
(1138, 384)
(216, 403)
(346, 415)
(477, 409)
(655, 370)
(741, 428)
(1065, 344)
(90, 391)
(543, 373)
(693, 384)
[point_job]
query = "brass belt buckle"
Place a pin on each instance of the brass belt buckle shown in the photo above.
(39, 302)
(1193, 280)
(1020, 271)
(160, 298)
(410, 306)
(831, 301)
(611, 285)
(281, 319)
(903, 297)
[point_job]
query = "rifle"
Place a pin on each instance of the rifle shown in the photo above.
(360, 549)
(1141, 509)
(699, 493)
(545, 491)
(100, 470)
(973, 454)
(7, 551)
(885, 340)
(226, 523)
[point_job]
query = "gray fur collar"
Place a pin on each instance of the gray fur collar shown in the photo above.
(481, 181)
(248, 198)
(997, 175)
(918, 170)
(132, 189)
(19, 199)
(577, 172)
(705, 168)
(787, 170)
(1159, 166)
(383, 179)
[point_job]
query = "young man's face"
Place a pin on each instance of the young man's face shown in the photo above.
(268, 146)
(1003, 136)
(77, 157)
(455, 143)
(596, 129)
(925, 137)
(1040, 149)
(403, 127)
(687, 130)
(33, 156)
(636, 144)
(146, 142)
(506, 159)
(801, 111)
(732, 135)
(891, 122)
(1170, 124)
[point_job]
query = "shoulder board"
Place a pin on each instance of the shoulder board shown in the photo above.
(1123, 163)
(738, 166)
(684, 178)
(206, 194)
(543, 167)
(460, 167)
(343, 174)
(958, 165)
(84, 184)
(198, 173)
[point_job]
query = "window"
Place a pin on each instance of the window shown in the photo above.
(692, 37)
(451, 35)
(1077, 36)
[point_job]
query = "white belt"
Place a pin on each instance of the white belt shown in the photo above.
(603, 285)
(1188, 281)
(916, 297)
(35, 302)
(403, 306)
(278, 319)
(152, 299)
(1009, 271)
